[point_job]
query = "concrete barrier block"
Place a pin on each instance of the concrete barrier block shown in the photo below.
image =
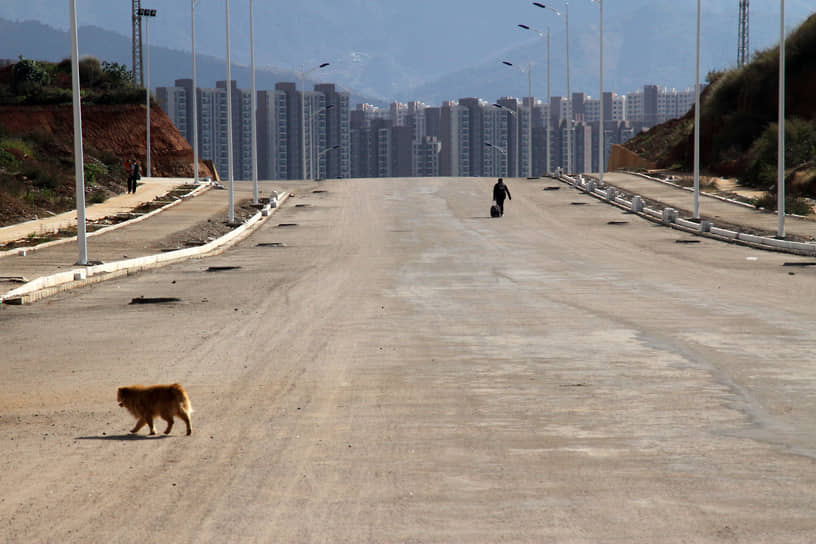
(611, 194)
(669, 215)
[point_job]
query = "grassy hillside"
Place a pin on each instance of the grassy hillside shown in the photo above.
(36, 137)
(739, 121)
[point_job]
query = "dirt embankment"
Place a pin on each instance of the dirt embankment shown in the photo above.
(119, 129)
(37, 155)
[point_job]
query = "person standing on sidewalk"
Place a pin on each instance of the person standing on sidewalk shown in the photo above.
(128, 169)
(500, 191)
(134, 177)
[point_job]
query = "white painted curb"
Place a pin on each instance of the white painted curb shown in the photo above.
(22, 251)
(668, 217)
(79, 277)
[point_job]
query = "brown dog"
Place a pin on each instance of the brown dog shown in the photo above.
(166, 401)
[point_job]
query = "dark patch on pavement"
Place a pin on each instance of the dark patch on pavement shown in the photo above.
(154, 300)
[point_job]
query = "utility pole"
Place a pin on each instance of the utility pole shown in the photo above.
(136, 19)
(742, 47)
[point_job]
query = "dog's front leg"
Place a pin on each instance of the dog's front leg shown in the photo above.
(169, 421)
(139, 424)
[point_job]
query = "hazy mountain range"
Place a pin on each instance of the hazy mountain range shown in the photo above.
(420, 50)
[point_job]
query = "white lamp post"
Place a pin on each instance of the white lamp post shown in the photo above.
(319, 155)
(254, 121)
(195, 96)
(303, 74)
(499, 149)
(601, 151)
(518, 132)
(697, 124)
(529, 72)
(312, 141)
(780, 168)
(569, 95)
(231, 211)
(147, 14)
(549, 115)
(79, 164)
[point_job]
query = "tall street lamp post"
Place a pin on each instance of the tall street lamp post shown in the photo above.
(147, 14)
(601, 150)
(518, 132)
(569, 95)
(319, 155)
(697, 123)
(303, 74)
(231, 205)
(549, 115)
(500, 150)
(79, 165)
(312, 141)
(254, 120)
(195, 95)
(529, 72)
(780, 166)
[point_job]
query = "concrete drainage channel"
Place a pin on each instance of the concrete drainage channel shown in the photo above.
(670, 218)
(53, 284)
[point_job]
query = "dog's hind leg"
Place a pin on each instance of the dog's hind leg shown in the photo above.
(149, 420)
(169, 420)
(185, 417)
(139, 424)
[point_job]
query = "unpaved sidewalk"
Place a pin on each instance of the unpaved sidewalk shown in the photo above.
(147, 191)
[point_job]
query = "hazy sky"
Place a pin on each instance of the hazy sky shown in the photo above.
(411, 42)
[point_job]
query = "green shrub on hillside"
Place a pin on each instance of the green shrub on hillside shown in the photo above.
(793, 204)
(16, 144)
(28, 76)
(800, 147)
(7, 160)
(36, 83)
(43, 176)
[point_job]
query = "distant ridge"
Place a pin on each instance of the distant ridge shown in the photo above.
(42, 42)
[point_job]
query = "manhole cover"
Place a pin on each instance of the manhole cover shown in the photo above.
(578, 203)
(687, 241)
(319, 191)
(154, 300)
(800, 264)
(287, 224)
(303, 205)
(271, 244)
(551, 189)
(617, 222)
(222, 268)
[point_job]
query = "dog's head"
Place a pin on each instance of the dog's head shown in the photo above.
(122, 395)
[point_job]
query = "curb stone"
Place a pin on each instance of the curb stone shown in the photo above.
(53, 284)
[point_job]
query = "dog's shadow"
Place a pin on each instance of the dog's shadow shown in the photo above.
(124, 437)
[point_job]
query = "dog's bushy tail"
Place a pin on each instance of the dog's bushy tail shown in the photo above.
(182, 398)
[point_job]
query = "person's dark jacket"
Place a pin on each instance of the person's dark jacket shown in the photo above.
(499, 191)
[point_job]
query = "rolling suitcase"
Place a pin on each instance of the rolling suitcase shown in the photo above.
(494, 210)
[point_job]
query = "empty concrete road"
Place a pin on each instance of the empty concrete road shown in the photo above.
(390, 365)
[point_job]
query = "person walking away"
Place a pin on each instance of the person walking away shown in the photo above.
(500, 191)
